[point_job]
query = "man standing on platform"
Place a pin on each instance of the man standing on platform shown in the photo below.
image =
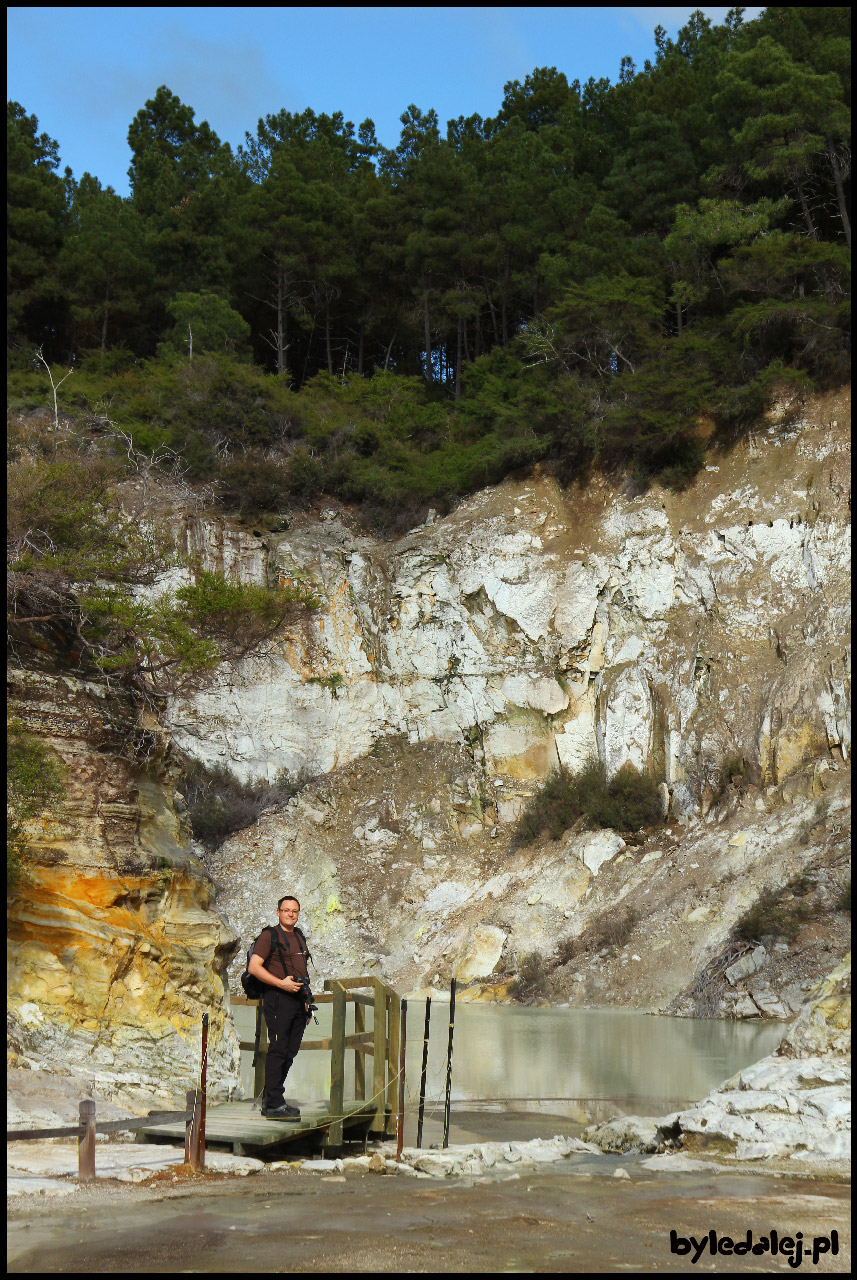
(279, 960)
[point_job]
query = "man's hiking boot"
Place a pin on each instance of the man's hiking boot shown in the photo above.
(285, 1112)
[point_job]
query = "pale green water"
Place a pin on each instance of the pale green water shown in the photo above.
(601, 1059)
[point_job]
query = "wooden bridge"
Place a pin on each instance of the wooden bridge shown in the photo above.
(324, 1122)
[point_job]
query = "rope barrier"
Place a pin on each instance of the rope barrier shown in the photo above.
(364, 1102)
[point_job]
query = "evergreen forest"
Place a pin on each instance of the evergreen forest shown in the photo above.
(580, 280)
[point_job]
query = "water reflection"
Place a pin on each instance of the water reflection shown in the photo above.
(635, 1061)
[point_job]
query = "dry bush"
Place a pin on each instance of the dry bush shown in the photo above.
(218, 804)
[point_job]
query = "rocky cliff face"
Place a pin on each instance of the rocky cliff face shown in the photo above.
(536, 624)
(114, 952)
(444, 676)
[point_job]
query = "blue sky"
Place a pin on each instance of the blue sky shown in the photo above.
(85, 72)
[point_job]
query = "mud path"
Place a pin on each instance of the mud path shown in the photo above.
(564, 1221)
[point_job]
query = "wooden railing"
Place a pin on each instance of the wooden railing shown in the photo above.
(381, 1043)
(87, 1128)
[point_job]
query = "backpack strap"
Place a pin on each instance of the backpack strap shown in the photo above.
(275, 942)
(300, 934)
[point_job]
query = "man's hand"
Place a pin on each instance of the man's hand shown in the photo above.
(290, 985)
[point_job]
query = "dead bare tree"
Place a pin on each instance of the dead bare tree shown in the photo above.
(55, 386)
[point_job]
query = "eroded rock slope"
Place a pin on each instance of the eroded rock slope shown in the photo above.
(113, 950)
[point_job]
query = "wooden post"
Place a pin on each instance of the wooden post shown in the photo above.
(359, 1054)
(449, 1065)
(423, 1075)
(194, 1100)
(259, 1069)
(394, 1013)
(188, 1124)
(86, 1142)
(379, 1059)
(202, 1075)
(400, 1124)
(337, 1066)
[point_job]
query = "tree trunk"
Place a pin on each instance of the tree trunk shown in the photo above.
(505, 295)
(429, 371)
(477, 341)
(327, 337)
(306, 353)
(678, 318)
(493, 316)
(458, 360)
(807, 216)
(360, 352)
(536, 296)
(840, 194)
(281, 332)
(104, 324)
(389, 349)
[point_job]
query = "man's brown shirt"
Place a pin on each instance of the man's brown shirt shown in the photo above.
(293, 951)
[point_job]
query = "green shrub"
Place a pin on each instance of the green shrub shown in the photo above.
(250, 485)
(552, 810)
(632, 801)
(332, 683)
(627, 802)
(34, 782)
(75, 558)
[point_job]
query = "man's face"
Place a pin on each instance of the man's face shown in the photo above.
(287, 913)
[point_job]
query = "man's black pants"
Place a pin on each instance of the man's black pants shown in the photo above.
(285, 1018)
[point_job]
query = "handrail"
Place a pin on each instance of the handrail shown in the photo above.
(107, 1126)
(382, 1043)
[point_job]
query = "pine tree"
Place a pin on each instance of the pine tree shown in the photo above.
(105, 265)
(36, 220)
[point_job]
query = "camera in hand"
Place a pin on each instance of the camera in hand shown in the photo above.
(309, 999)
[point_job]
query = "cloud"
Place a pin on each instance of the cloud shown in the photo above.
(228, 83)
(223, 80)
(502, 35)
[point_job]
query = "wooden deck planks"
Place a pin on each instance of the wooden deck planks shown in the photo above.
(239, 1125)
